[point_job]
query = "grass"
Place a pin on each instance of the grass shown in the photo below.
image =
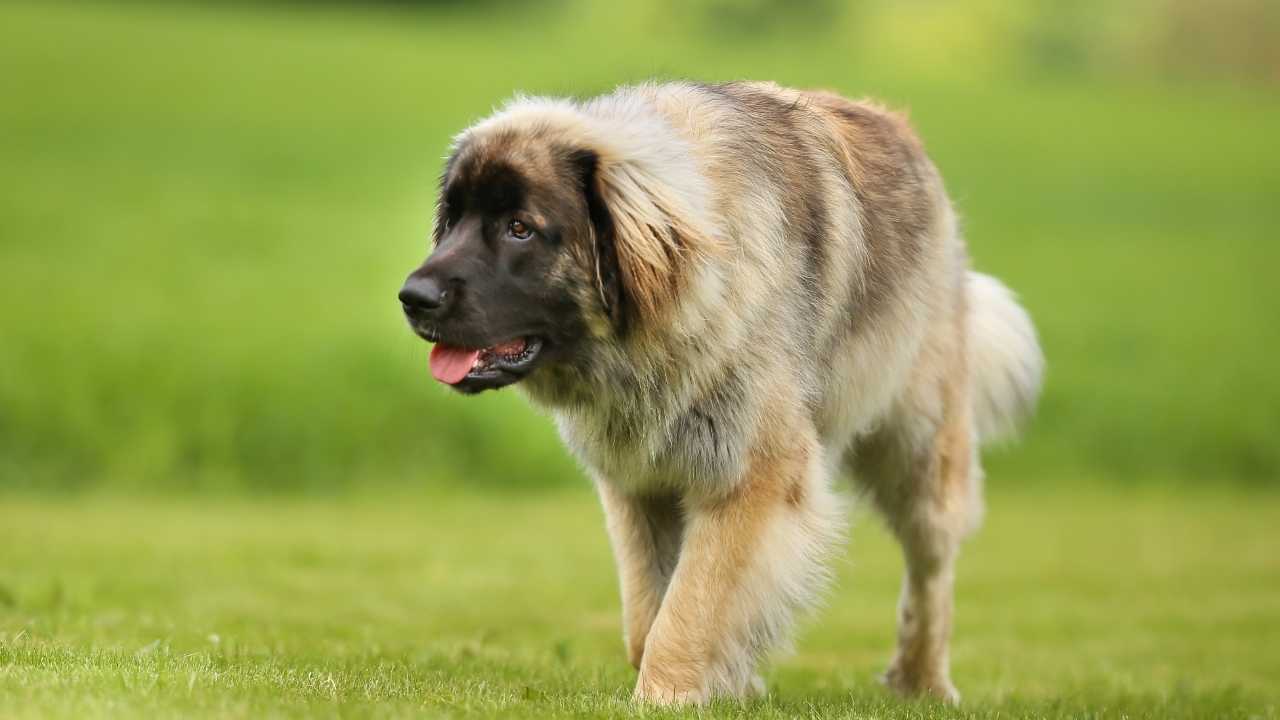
(206, 210)
(1094, 603)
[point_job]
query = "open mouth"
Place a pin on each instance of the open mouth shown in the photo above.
(476, 369)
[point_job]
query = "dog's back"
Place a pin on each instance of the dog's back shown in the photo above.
(843, 242)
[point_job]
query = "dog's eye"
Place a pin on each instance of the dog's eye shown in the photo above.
(519, 230)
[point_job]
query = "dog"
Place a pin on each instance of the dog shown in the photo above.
(729, 297)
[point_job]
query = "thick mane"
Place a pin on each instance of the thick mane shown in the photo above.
(647, 177)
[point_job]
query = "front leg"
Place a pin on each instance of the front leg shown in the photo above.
(749, 560)
(645, 533)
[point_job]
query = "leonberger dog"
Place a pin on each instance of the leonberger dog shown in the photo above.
(728, 296)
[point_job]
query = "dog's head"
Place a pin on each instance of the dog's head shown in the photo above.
(545, 240)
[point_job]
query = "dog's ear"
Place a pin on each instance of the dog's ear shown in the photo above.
(647, 238)
(604, 256)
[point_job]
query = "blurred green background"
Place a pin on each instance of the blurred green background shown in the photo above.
(206, 210)
(229, 486)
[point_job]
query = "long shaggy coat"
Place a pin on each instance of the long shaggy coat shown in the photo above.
(769, 294)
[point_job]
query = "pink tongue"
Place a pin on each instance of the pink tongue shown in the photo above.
(449, 364)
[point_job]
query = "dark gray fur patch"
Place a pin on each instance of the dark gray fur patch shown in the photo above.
(895, 204)
(711, 435)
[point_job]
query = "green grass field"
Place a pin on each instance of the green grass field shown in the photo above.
(228, 486)
(1102, 604)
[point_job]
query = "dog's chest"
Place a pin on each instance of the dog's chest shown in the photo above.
(694, 451)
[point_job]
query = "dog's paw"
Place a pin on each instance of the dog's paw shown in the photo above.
(905, 684)
(670, 688)
(652, 691)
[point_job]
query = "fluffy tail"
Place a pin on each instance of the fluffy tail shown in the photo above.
(1005, 362)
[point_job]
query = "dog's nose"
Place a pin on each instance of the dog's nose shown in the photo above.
(423, 293)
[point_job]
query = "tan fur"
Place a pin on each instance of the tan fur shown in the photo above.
(655, 236)
(803, 307)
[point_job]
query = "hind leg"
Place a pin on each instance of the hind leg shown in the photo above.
(926, 482)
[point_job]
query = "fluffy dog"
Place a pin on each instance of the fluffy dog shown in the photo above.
(728, 296)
